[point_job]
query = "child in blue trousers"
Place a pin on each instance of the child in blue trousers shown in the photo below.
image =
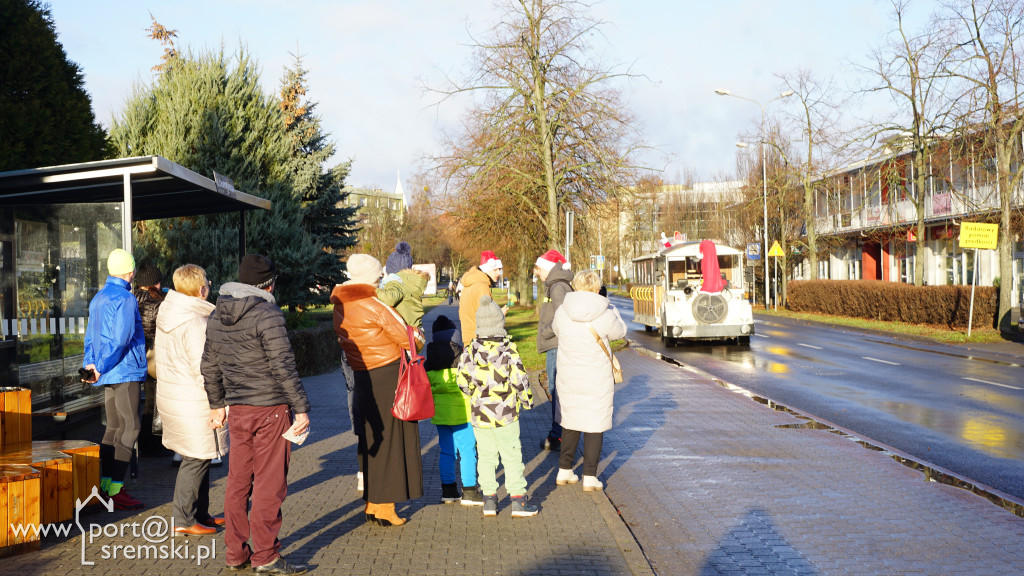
(451, 416)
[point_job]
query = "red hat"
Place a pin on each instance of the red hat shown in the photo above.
(549, 259)
(489, 262)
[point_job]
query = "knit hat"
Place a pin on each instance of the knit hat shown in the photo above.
(489, 262)
(148, 275)
(257, 270)
(549, 259)
(120, 262)
(490, 321)
(400, 259)
(363, 269)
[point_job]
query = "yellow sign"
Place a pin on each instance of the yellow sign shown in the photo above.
(979, 235)
(776, 250)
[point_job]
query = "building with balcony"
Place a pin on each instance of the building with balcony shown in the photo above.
(866, 217)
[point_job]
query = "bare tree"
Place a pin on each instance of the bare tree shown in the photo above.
(817, 125)
(549, 126)
(986, 58)
(910, 69)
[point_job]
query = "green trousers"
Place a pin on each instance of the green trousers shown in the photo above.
(503, 442)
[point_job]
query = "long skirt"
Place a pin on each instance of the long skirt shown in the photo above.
(390, 448)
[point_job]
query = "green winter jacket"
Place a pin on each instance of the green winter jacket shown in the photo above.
(405, 295)
(491, 373)
(451, 406)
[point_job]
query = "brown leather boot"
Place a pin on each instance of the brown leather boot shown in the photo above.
(371, 512)
(386, 515)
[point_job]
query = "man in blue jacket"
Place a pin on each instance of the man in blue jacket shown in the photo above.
(115, 353)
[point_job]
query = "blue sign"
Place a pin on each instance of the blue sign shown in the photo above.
(754, 251)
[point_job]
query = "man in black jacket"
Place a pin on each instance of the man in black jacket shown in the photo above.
(553, 270)
(248, 364)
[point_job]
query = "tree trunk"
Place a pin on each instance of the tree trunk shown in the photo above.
(1005, 246)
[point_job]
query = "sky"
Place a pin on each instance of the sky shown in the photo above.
(369, 61)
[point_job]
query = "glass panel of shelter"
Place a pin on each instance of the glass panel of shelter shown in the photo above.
(58, 266)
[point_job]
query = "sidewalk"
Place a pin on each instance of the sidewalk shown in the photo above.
(712, 482)
(700, 480)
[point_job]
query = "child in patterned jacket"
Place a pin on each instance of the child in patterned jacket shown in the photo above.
(491, 373)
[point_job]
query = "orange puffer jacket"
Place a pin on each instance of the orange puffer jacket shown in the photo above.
(371, 333)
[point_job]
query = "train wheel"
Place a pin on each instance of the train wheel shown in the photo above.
(648, 328)
(743, 341)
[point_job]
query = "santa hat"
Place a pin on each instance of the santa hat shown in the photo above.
(489, 262)
(549, 259)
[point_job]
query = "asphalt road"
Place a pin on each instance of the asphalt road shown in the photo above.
(960, 410)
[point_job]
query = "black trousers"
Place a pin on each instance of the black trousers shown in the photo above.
(192, 492)
(592, 443)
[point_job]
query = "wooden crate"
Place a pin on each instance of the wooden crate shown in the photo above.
(19, 506)
(15, 416)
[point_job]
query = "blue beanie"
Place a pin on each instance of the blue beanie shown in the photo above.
(400, 259)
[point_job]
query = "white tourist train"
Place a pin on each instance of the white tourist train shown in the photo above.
(668, 296)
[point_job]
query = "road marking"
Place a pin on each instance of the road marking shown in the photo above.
(808, 346)
(761, 335)
(994, 383)
(882, 361)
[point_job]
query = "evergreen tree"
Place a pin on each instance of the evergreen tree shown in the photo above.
(322, 191)
(46, 116)
(207, 115)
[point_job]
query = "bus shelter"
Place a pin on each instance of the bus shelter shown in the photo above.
(57, 226)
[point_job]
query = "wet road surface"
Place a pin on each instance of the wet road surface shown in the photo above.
(958, 409)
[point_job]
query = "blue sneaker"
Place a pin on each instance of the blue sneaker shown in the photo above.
(491, 505)
(521, 508)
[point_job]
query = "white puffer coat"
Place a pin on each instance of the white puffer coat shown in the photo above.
(180, 393)
(586, 391)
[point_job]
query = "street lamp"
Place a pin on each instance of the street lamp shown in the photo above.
(764, 172)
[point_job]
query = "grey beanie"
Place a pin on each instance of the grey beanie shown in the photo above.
(400, 259)
(490, 321)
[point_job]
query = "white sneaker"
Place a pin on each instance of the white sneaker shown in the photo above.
(359, 481)
(566, 477)
(592, 484)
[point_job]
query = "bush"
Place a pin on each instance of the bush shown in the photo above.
(895, 301)
(316, 349)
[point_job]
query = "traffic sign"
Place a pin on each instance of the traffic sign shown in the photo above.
(753, 251)
(776, 250)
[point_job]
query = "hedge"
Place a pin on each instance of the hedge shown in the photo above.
(895, 301)
(316, 349)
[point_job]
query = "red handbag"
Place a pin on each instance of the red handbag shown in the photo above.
(413, 400)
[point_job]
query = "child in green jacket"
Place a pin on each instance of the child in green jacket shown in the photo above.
(451, 416)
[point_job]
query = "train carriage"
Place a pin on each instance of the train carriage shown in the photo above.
(667, 296)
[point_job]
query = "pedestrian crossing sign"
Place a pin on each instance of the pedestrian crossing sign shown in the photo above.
(776, 250)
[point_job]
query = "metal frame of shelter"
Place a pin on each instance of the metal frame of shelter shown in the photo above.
(57, 225)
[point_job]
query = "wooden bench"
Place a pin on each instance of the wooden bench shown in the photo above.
(62, 411)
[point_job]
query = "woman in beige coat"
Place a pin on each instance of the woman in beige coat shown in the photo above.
(182, 401)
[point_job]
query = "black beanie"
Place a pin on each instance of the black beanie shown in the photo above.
(257, 270)
(148, 275)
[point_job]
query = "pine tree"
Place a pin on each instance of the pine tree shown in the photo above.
(322, 191)
(208, 115)
(46, 115)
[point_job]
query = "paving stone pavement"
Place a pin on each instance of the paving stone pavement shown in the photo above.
(709, 484)
(699, 480)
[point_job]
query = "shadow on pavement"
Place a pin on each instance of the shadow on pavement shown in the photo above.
(754, 546)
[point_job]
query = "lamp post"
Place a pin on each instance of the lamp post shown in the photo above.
(764, 172)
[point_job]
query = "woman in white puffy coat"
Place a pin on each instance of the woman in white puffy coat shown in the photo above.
(586, 390)
(181, 398)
